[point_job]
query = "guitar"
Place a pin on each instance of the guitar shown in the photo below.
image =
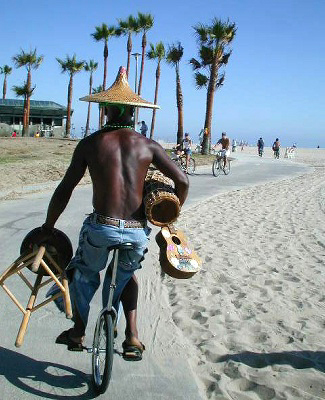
(176, 258)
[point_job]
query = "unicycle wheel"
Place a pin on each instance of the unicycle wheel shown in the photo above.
(102, 352)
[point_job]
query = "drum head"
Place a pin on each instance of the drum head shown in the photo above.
(58, 245)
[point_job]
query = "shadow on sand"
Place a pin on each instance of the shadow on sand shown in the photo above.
(297, 359)
(45, 379)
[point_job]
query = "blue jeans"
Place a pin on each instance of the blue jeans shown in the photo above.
(91, 258)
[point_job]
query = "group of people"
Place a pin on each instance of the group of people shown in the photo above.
(275, 147)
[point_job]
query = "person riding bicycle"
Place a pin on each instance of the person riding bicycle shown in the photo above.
(186, 147)
(276, 148)
(117, 158)
(225, 144)
(260, 146)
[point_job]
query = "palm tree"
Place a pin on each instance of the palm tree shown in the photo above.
(30, 61)
(213, 40)
(156, 53)
(72, 67)
(90, 67)
(103, 33)
(174, 55)
(128, 27)
(98, 89)
(145, 22)
(6, 70)
(25, 92)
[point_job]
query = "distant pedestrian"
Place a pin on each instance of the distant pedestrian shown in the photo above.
(260, 146)
(143, 128)
(276, 148)
(14, 134)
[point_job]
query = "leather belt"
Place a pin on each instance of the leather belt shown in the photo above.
(102, 219)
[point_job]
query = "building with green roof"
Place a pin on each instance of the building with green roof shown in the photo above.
(46, 117)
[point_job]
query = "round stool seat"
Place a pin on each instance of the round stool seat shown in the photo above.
(58, 246)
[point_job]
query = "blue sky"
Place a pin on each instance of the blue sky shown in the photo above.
(274, 84)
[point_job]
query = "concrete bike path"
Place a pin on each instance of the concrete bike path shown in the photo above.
(41, 369)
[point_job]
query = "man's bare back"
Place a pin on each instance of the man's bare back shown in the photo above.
(118, 162)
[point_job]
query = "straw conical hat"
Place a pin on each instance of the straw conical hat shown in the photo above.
(120, 93)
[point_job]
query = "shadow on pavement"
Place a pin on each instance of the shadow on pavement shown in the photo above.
(45, 379)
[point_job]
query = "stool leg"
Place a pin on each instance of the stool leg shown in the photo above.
(30, 305)
(66, 297)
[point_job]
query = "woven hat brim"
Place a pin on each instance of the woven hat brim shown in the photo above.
(107, 98)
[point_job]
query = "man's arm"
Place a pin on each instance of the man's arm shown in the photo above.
(171, 170)
(63, 192)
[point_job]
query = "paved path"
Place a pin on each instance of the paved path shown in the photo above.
(41, 369)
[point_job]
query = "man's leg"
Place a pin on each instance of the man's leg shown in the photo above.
(129, 299)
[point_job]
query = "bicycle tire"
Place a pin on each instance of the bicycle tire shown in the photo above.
(103, 345)
(191, 166)
(183, 164)
(226, 169)
(216, 168)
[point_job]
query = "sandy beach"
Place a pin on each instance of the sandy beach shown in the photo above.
(255, 314)
(251, 324)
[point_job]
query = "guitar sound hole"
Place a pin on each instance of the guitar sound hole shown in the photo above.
(176, 240)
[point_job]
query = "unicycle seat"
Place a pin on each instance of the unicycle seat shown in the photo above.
(122, 246)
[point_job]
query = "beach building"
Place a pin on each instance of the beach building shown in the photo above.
(46, 117)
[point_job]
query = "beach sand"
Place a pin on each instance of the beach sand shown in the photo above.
(255, 315)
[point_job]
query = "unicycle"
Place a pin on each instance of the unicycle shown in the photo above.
(103, 343)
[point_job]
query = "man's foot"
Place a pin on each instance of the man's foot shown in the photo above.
(73, 343)
(132, 349)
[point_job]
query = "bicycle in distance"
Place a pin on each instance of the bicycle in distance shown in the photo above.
(220, 164)
(179, 158)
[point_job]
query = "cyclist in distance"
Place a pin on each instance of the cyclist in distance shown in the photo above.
(276, 148)
(225, 145)
(186, 146)
(117, 158)
(260, 146)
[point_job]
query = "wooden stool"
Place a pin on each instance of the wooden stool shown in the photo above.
(40, 260)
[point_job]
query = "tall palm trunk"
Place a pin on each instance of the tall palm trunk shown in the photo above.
(68, 124)
(179, 100)
(206, 143)
(27, 112)
(24, 133)
(153, 120)
(144, 45)
(4, 90)
(129, 50)
(102, 110)
(89, 105)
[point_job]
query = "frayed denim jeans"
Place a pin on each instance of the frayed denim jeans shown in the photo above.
(92, 255)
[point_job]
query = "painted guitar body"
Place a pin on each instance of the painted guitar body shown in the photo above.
(176, 258)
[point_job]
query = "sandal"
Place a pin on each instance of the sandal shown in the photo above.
(132, 352)
(64, 338)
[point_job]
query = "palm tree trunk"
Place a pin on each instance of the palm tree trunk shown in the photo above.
(4, 91)
(89, 104)
(68, 124)
(129, 50)
(153, 120)
(29, 85)
(102, 113)
(206, 143)
(23, 133)
(179, 100)
(144, 44)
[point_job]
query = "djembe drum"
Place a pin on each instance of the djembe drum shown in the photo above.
(162, 206)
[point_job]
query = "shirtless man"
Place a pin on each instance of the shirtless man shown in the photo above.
(225, 144)
(118, 159)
